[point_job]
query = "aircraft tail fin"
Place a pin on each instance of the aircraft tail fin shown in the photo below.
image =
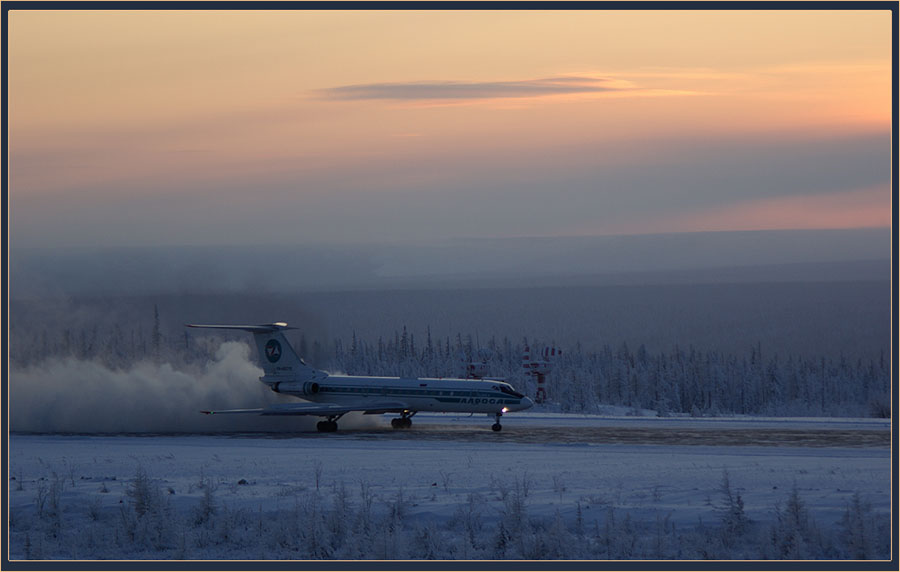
(275, 354)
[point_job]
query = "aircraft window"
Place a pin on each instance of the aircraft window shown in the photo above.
(510, 391)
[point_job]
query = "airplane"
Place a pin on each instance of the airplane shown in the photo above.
(332, 396)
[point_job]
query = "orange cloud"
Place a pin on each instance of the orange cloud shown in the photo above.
(862, 208)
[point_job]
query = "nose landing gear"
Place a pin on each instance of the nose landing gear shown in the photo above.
(496, 426)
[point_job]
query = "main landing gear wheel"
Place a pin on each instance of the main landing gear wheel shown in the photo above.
(496, 426)
(403, 422)
(326, 426)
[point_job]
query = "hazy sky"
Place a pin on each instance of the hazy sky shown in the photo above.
(222, 127)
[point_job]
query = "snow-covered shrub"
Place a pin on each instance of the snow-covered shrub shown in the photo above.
(795, 535)
(144, 496)
(731, 512)
(856, 525)
(880, 406)
(207, 506)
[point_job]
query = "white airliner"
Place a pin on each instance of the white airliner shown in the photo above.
(332, 396)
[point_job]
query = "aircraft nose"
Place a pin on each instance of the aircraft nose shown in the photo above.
(525, 403)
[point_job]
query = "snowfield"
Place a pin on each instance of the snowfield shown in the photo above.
(548, 486)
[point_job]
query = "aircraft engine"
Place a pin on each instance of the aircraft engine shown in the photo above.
(296, 387)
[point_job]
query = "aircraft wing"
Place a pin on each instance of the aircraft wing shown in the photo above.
(320, 409)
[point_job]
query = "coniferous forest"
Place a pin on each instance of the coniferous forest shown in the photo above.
(679, 380)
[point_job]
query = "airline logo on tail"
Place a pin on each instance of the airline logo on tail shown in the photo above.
(273, 351)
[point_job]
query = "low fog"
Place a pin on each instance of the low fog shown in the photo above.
(689, 257)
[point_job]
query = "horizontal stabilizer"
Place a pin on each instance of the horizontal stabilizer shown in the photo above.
(229, 411)
(259, 329)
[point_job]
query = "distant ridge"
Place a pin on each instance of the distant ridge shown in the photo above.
(744, 256)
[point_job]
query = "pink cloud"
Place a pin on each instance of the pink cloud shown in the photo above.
(860, 208)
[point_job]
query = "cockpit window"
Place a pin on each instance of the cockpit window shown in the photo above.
(510, 391)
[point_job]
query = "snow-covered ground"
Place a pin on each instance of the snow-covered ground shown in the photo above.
(451, 488)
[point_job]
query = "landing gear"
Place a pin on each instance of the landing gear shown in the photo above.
(401, 423)
(329, 426)
(404, 421)
(496, 426)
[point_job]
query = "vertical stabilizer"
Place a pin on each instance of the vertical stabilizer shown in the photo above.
(275, 354)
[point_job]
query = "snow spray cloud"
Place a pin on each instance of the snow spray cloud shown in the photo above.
(71, 395)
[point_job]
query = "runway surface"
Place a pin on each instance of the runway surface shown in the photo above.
(634, 436)
(666, 434)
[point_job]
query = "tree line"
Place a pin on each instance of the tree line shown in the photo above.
(681, 380)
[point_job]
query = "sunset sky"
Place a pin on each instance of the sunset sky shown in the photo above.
(221, 127)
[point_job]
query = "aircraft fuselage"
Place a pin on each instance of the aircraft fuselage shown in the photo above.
(419, 394)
